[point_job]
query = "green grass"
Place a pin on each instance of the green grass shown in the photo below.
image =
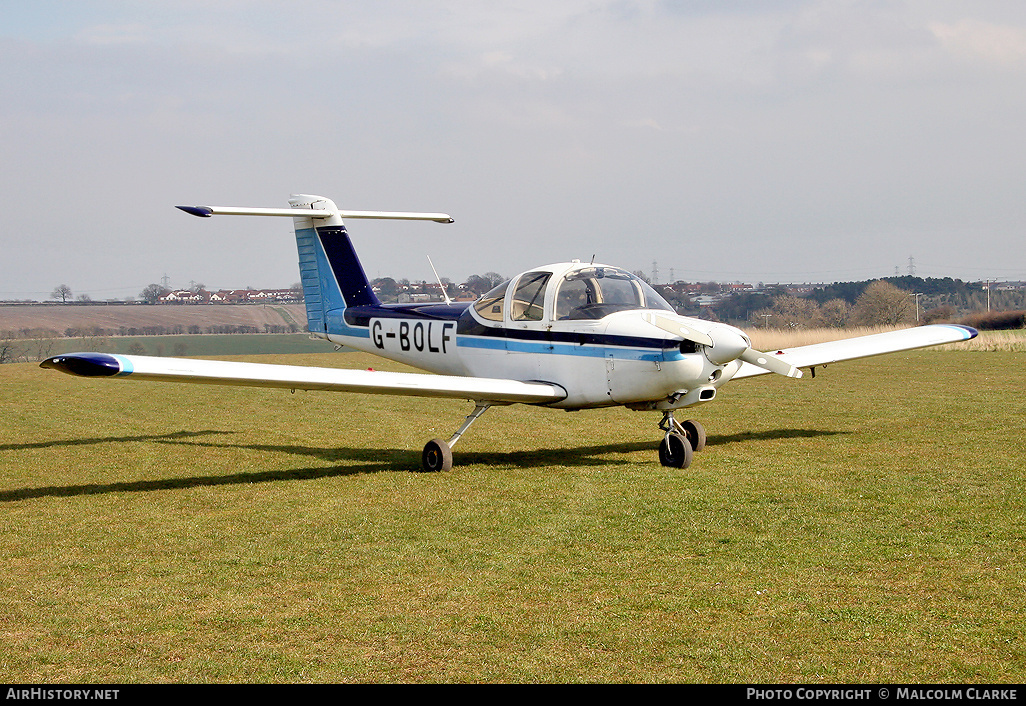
(863, 526)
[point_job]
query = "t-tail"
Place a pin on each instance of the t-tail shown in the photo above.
(330, 271)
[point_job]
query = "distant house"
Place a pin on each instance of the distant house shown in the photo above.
(184, 296)
(229, 296)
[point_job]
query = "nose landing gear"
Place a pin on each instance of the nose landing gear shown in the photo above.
(680, 441)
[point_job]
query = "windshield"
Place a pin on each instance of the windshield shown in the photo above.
(595, 292)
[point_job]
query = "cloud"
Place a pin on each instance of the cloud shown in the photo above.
(708, 138)
(998, 45)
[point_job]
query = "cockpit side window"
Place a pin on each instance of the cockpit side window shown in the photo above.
(573, 294)
(529, 297)
(489, 306)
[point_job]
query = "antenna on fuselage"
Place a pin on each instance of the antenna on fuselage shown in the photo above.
(439, 280)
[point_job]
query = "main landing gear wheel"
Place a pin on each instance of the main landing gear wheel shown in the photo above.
(437, 456)
(675, 451)
(695, 433)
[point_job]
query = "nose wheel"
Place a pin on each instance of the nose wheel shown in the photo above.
(680, 441)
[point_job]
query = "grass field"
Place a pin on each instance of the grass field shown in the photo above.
(866, 525)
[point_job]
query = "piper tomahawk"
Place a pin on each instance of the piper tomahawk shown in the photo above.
(568, 335)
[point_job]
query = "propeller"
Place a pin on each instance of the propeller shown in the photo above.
(678, 327)
(722, 344)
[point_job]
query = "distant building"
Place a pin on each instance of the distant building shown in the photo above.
(230, 296)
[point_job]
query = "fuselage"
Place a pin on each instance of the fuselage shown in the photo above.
(578, 326)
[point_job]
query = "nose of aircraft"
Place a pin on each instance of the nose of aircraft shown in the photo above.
(728, 344)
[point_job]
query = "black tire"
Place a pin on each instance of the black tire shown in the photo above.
(437, 456)
(695, 433)
(675, 451)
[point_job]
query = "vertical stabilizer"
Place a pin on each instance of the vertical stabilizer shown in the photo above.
(329, 270)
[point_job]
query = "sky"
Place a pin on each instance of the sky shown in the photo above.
(786, 141)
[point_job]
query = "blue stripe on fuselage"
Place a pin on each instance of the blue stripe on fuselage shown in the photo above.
(585, 350)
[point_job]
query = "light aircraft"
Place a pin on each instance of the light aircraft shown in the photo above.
(570, 335)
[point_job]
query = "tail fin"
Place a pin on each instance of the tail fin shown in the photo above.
(330, 272)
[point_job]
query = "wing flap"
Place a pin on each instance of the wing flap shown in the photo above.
(866, 346)
(292, 377)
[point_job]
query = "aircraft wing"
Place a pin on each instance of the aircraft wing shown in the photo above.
(294, 377)
(865, 347)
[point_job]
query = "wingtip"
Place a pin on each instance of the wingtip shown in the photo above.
(201, 211)
(84, 364)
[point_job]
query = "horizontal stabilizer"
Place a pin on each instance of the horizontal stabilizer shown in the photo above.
(208, 211)
(292, 377)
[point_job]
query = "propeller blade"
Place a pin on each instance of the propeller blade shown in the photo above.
(770, 363)
(677, 326)
(723, 344)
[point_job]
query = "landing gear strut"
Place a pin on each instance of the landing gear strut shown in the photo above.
(680, 441)
(437, 455)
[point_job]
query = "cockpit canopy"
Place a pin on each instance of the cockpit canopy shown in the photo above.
(580, 292)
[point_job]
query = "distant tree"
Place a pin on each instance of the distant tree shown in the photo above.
(848, 291)
(789, 311)
(152, 293)
(736, 307)
(7, 351)
(387, 286)
(940, 313)
(44, 345)
(478, 284)
(137, 348)
(62, 292)
(883, 304)
(835, 313)
(84, 298)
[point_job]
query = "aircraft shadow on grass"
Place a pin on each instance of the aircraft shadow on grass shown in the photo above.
(109, 439)
(352, 461)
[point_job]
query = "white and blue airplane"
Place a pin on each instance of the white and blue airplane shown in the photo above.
(570, 335)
